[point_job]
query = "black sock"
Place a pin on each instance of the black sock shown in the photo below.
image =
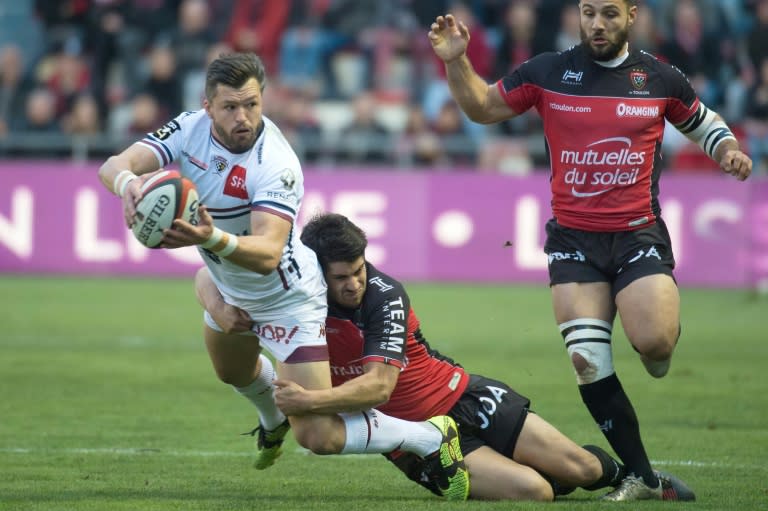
(611, 409)
(613, 471)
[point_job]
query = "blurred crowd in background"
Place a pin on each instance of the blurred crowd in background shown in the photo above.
(350, 82)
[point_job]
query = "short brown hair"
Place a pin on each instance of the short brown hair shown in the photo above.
(233, 70)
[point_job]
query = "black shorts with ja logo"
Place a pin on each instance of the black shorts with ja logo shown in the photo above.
(616, 257)
(488, 413)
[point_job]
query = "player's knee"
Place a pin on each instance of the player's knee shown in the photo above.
(316, 440)
(234, 377)
(578, 467)
(308, 440)
(657, 345)
(588, 342)
(534, 489)
(583, 468)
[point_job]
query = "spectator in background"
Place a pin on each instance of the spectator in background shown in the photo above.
(304, 46)
(191, 41)
(145, 115)
(194, 83)
(66, 74)
(518, 37)
(163, 82)
(458, 149)
(351, 26)
(393, 53)
(192, 37)
(39, 113)
(519, 42)
(257, 26)
(481, 54)
(119, 32)
(549, 21)
(418, 144)
(364, 140)
(149, 20)
(757, 38)
(221, 17)
(756, 122)
(12, 87)
(644, 32)
(116, 46)
(83, 118)
(300, 127)
(690, 49)
(62, 20)
(711, 18)
(568, 33)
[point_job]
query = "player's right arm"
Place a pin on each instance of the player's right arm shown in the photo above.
(481, 102)
(372, 388)
(119, 173)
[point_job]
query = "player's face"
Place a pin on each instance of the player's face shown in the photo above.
(605, 27)
(236, 115)
(346, 282)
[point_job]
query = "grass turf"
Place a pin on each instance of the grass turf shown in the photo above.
(109, 401)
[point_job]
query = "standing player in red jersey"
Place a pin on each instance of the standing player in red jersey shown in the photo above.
(603, 105)
(380, 358)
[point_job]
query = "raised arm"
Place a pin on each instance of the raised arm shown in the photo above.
(480, 101)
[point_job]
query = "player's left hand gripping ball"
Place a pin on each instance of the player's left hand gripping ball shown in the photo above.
(166, 196)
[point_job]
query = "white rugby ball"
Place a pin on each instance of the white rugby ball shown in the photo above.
(166, 196)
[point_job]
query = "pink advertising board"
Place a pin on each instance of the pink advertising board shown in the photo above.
(425, 226)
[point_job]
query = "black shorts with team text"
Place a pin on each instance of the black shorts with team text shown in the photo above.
(488, 413)
(616, 257)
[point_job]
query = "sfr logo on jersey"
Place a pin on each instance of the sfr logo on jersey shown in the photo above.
(235, 184)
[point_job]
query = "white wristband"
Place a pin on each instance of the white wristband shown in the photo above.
(122, 180)
(230, 247)
(216, 236)
(220, 243)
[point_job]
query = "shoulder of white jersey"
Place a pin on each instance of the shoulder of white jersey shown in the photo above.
(275, 154)
(159, 140)
(274, 137)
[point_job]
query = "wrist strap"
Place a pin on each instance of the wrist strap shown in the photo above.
(221, 243)
(121, 181)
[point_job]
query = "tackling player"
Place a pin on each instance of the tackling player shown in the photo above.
(379, 357)
(604, 107)
(251, 185)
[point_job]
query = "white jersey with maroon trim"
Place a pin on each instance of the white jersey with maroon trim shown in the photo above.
(268, 177)
(603, 128)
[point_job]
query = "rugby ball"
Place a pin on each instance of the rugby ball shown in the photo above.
(165, 197)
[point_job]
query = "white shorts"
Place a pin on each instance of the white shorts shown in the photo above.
(291, 340)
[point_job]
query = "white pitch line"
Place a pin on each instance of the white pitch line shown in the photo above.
(136, 451)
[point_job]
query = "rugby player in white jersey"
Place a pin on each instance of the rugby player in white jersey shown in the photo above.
(251, 185)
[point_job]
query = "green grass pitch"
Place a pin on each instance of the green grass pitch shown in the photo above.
(108, 401)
